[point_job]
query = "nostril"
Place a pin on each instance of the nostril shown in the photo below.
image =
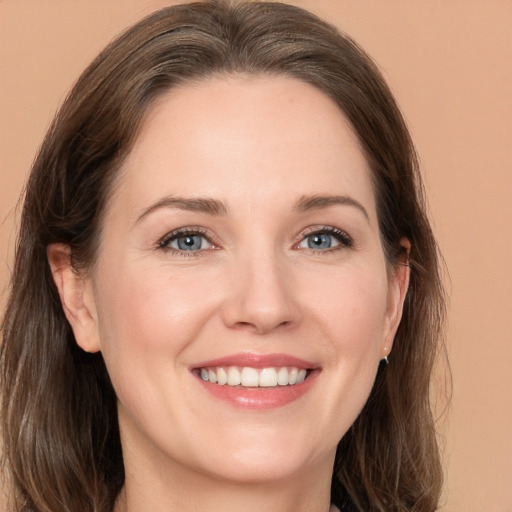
(261, 326)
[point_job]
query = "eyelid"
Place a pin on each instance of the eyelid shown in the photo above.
(163, 243)
(342, 236)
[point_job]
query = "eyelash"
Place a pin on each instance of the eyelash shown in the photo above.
(342, 237)
(345, 241)
(163, 243)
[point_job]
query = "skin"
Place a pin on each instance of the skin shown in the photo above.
(259, 145)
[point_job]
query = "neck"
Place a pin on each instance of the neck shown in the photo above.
(176, 488)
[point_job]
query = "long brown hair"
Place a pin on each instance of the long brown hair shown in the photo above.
(61, 443)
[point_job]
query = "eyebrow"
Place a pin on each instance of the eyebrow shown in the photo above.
(318, 202)
(191, 204)
(215, 207)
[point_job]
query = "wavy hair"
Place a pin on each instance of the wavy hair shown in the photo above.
(60, 435)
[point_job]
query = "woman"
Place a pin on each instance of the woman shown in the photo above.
(223, 245)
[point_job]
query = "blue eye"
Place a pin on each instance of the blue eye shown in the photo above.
(320, 241)
(325, 239)
(185, 242)
(189, 243)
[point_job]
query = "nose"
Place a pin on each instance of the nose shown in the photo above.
(261, 298)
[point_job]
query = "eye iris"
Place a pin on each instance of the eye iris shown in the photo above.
(319, 241)
(189, 242)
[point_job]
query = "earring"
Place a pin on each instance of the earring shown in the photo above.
(385, 358)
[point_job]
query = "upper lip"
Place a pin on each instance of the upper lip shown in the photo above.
(254, 360)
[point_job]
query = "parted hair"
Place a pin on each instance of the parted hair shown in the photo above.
(60, 436)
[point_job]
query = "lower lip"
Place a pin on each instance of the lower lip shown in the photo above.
(260, 398)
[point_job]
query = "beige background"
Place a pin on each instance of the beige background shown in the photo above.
(449, 64)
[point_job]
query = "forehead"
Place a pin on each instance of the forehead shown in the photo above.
(247, 138)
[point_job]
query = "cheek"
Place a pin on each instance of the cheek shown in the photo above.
(353, 310)
(147, 318)
(144, 300)
(347, 322)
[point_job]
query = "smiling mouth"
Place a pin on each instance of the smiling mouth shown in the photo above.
(248, 377)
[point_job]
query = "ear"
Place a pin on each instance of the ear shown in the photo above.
(77, 297)
(398, 286)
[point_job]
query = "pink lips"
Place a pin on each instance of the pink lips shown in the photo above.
(258, 398)
(258, 361)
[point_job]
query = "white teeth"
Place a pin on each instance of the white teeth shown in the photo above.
(268, 378)
(249, 377)
(222, 376)
(254, 377)
(233, 376)
(282, 376)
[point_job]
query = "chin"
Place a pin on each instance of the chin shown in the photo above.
(260, 456)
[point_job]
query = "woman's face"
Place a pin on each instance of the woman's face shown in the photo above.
(241, 242)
